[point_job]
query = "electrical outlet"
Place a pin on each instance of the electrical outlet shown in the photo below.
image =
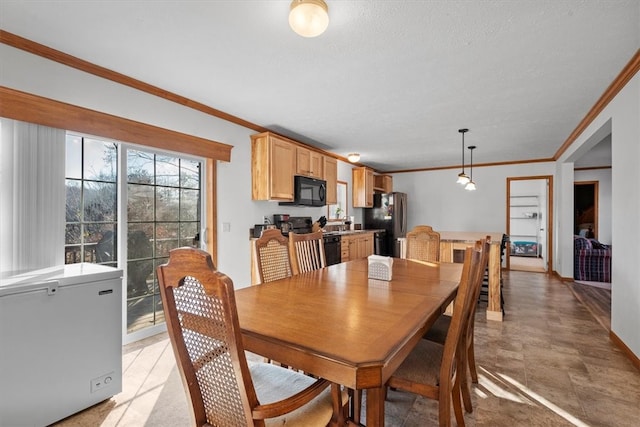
(101, 382)
(266, 220)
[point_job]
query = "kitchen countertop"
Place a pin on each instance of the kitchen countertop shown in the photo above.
(338, 233)
(348, 232)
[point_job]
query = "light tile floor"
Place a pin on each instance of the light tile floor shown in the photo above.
(550, 363)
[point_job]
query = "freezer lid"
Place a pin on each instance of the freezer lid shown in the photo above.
(70, 274)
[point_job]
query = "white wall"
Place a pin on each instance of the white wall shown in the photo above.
(435, 199)
(624, 114)
(603, 176)
(33, 74)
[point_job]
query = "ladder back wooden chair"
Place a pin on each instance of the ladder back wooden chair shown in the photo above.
(202, 321)
(423, 244)
(272, 256)
(306, 252)
(433, 370)
(484, 291)
(438, 332)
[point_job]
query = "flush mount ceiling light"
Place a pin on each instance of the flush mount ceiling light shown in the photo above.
(309, 18)
(471, 186)
(353, 157)
(463, 179)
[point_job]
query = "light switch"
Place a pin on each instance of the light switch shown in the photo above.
(226, 227)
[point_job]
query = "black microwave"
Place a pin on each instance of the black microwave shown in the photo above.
(308, 192)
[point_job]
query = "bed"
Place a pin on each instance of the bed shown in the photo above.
(523, 248)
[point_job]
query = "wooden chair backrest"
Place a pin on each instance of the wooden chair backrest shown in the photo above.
(423, 244)
(306, 252)
(484, 246)
(422, 228)
(202, 322)
(453, 355)
(272, 255)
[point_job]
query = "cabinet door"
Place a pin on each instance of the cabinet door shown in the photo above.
(331, 176)
(281, 170)
(359, 247)
(272, 165)
(367, 245)
(364, 245)
(316, 163)
(345, 250)
(362, 179)
(369, 188)
(303, 161)
(309, 163)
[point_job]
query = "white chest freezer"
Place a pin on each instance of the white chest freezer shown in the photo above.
(60, 342)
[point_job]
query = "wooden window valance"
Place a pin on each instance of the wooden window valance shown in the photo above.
(31, 108)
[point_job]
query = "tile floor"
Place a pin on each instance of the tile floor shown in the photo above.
(550, 363)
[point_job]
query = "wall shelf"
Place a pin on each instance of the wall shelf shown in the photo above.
(525, 213)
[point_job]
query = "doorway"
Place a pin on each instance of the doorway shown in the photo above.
(529, 207)
(585, 209)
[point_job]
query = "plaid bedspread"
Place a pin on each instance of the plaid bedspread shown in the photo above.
(590, 263)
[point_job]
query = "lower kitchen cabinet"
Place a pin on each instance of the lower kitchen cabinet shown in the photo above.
(356, 246)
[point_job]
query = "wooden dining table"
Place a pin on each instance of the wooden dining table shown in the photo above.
(338, 324)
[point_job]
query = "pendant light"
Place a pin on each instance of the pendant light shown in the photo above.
(462, 177)
(309, 18)
(471, 186)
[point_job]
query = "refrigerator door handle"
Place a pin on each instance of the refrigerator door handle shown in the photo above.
(403, 222)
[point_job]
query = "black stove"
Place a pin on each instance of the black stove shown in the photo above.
(296, 224)
(304, 225)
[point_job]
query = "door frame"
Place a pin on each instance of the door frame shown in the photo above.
(548, 222)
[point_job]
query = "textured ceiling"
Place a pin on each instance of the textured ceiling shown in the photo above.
(393, 80)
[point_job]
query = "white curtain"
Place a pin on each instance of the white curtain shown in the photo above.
(32, 196)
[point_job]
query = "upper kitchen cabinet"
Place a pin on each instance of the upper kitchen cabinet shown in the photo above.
(309, 163)
(273, 163)
(383, 183)
(362, 179)
(331, 176)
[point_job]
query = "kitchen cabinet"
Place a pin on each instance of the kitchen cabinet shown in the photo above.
(362, 179)
(383, 183)
(273, 162)
(309, 163)
(356, 246)
(331, 176)
(344, 248)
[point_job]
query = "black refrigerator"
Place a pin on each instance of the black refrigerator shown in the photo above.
(389, 213)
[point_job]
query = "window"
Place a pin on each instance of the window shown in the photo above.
(339, 211)
(162, 197)
(91, 201)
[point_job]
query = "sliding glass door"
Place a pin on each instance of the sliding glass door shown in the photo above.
(163, 213)
(128, 207)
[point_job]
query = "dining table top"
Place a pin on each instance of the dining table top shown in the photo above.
(470, 236)
(338, 324)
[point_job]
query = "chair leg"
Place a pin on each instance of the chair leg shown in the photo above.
(444, 408)
(356, 405)
(464, 387)
(339, 407)
(457, 406)
(471, 358)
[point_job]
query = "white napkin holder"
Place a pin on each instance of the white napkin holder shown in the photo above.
(380, 267)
